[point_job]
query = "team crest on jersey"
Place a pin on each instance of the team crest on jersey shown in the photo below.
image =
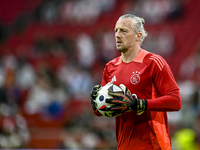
(135, 78)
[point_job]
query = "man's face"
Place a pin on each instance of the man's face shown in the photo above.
(124, 35)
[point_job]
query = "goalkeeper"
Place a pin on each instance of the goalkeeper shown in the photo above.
(149, 90)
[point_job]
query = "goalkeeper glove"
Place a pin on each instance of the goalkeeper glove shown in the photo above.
(125, 102)
(93, 95)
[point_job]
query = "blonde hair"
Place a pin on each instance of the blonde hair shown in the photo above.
(138, 25)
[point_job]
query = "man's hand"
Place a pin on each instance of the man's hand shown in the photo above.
(125, 102)
(122, 101)
(93, 95)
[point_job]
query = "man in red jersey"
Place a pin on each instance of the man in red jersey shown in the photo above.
(143, 123)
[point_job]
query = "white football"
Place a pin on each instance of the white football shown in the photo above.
(103, 95)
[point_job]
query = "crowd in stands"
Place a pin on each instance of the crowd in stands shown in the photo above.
(47, 75)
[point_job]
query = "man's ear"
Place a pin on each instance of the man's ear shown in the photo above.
(138, 36)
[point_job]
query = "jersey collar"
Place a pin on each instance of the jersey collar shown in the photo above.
(139, 58)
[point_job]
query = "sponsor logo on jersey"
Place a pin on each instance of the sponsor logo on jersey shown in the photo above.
(113, 79)
(135, 78)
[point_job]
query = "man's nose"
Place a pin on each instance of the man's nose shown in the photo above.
(117, 34)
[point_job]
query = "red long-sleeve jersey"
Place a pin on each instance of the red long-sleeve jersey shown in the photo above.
(149, 77)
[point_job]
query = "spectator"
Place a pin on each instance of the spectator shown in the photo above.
(190, 68)
(46, 97)
(85, 47)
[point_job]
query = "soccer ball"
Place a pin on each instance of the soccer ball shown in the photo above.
(103, 95)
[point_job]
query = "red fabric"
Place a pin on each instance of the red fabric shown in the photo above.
(147, 77)
(97, 113)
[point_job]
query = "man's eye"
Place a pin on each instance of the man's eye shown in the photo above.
(120, 30)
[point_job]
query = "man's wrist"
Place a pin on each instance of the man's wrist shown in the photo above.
(141, 106)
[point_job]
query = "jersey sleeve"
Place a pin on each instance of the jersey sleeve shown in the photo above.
(166, 94)
(97, 113)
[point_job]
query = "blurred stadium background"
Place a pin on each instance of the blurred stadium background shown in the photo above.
(52, 52)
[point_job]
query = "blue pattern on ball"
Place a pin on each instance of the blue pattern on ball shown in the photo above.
(101, 98)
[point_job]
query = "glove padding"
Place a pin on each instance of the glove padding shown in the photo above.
(93, 95)
(125, 102)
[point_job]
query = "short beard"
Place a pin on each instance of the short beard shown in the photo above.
(122, 49)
